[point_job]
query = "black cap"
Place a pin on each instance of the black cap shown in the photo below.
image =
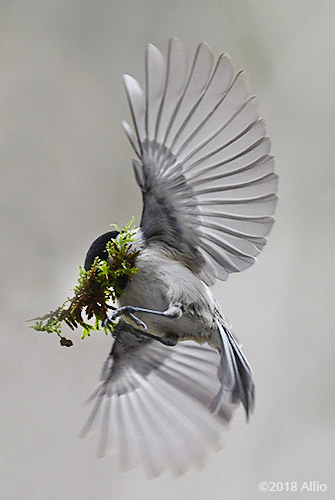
(98, 249)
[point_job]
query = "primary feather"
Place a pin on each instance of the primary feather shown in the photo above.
(204, 169)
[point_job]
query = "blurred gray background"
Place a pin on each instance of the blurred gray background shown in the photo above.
(66, 175)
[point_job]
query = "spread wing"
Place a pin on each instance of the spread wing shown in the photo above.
(204, 167)
(152, 404)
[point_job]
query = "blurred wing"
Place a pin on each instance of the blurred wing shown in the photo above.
(204, 167)
(152, 405)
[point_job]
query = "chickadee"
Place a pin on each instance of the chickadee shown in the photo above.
(176, 372)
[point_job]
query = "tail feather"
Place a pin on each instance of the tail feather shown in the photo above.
(234, 373)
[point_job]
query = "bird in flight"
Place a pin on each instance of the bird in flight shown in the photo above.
(175, 372)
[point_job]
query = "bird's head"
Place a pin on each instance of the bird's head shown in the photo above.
(98, 249)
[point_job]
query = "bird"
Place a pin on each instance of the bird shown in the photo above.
(176, 373)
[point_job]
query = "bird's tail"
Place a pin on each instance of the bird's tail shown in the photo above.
(234, 372)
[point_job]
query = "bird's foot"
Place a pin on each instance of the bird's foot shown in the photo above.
(173, 312)
(170, 340)
(115, 328)
(126, 311)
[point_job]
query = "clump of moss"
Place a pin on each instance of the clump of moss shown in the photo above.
(95, 290)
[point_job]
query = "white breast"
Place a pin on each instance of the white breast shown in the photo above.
(163, 281)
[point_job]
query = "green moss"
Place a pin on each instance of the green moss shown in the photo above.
(95, 290)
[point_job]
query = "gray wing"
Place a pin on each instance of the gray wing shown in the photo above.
(152, 405)
(204, 167)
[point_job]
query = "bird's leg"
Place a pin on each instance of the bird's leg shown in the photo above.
(169, 340)
(173, 312)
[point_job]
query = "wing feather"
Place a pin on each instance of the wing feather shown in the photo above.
(153, 405)
(175, 78)
(203, 154)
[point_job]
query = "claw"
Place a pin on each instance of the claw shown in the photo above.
(138, 321)
(116, 336)
(107, 321)
(127, 311)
